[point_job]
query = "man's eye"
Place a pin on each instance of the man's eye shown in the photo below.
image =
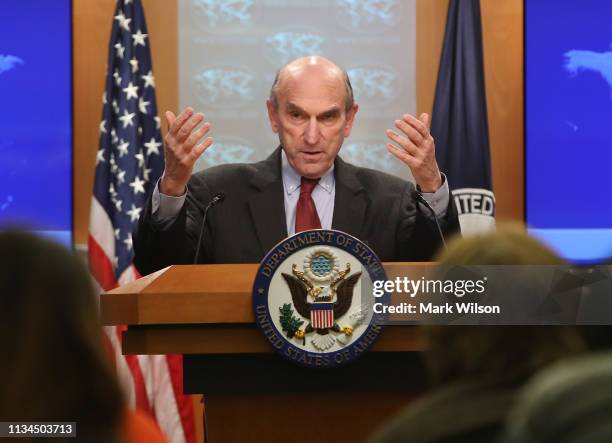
(295, 115)
(327, 118)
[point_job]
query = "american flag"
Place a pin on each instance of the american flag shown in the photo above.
(128, 164)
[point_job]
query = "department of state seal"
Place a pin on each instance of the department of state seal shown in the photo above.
(312, 298)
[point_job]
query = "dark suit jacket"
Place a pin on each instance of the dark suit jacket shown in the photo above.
(375, 207)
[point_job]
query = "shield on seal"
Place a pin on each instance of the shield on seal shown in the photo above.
(321, 315)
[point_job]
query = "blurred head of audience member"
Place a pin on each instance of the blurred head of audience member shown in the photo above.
(55, 367)
(568, 402)
(503, 354)
(477, 370)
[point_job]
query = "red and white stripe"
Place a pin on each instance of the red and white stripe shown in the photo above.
(152, 383)
(322, 318)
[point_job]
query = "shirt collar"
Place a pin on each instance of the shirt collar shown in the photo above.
(291, 179)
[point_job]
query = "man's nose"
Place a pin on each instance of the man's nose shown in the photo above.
(311, 133)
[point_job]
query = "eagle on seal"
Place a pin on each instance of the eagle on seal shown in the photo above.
(302, 290)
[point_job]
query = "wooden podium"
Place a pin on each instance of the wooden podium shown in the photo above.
(251, 394)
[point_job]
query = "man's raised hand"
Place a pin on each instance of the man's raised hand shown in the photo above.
(181, 149)
(417, 150)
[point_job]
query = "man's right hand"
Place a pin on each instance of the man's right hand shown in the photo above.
(181, 150)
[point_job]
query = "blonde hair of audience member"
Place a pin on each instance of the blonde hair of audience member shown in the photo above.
(506, 354)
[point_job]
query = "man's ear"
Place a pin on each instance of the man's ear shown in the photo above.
(272, 116)
(350, 119)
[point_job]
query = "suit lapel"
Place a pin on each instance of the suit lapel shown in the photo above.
(350, 203)
(266, 203)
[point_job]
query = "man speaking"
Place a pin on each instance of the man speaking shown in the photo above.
(302, 185)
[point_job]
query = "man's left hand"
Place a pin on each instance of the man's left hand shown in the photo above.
(417, 150)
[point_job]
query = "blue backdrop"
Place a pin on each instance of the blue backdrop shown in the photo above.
(568, 84)
(36, 116)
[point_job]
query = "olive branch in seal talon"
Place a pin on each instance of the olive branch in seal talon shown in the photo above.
(290, 323)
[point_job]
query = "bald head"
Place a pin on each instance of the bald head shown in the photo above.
(324, 68)
(311, 109)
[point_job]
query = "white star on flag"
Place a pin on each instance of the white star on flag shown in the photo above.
(120, 17)
(138, 185)
(117, 78)
(126, 118)
(152, 146)
(113, 164)
(142, 105)
(149, 79)
(120, 50)
(100, 156)
(131, 91)
(123, 21)
(134, 213)
(123, 148)
(120, 176)
(139, 38)
(128, 242)
(145, 174)
(102, 124)
(140, 158)
(157, 122)
(134, 63)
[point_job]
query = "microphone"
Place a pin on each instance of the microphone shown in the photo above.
(218, 198)
(419, 197)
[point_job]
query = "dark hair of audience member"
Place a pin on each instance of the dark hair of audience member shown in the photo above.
(504, 354)
(54, 364)
(568, 402)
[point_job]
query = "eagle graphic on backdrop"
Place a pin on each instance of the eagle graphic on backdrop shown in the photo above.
(322, 294)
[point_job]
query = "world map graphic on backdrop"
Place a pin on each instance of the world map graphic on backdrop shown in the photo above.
(227, 149)
(225, 86)
(601, 62)
(8, 62)
(371, 153)
(378, 85)
(220, 13)
(368, 16)
(286, 45)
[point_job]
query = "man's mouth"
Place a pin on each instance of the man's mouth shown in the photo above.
(312, 153)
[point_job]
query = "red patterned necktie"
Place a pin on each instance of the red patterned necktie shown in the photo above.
(306, 216)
